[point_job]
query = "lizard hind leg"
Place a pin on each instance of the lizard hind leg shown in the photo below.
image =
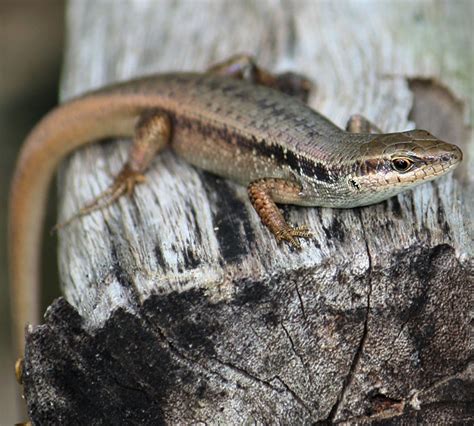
(263, 194)
(244, 67)
(152, 134)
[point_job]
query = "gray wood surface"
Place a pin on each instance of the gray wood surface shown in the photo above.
(190, 311)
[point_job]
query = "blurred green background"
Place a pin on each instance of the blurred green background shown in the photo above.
(31, 42)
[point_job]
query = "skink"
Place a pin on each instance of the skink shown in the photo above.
(220, 121)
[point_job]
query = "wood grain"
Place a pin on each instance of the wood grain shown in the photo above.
(189, 310)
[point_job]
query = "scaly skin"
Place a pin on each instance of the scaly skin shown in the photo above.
(284, 151)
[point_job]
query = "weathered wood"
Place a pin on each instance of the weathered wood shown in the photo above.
(186, 310)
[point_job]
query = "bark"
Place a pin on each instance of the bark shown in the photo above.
(181, 308)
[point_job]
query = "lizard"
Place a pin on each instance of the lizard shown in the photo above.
(236, 120)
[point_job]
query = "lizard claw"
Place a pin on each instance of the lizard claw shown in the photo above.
(290, 235)
(124, 184)
(19, 364)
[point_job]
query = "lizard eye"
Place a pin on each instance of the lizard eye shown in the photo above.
(402, 164)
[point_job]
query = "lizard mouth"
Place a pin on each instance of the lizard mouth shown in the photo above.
(437, 161)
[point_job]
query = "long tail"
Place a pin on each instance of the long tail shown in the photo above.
(60, 132)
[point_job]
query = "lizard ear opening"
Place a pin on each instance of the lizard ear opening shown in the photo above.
(354, 184)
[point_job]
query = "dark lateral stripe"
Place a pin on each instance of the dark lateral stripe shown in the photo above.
(297, 163)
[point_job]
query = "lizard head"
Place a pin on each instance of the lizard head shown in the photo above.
(391, 163)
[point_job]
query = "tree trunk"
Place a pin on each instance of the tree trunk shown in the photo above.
(181, 307)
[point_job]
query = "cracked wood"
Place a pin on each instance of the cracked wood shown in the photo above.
(185, 310)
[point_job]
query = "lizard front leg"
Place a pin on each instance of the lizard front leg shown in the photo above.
(244, 67)
(357, 123)
(264, 194)
(152, 134)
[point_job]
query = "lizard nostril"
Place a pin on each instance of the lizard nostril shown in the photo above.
(453, 154)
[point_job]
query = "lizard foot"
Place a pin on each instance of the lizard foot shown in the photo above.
(290, 235)
(244, 67)
(124, 184)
